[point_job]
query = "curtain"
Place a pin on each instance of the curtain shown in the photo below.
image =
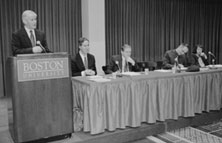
(59, 19)
(152, 27)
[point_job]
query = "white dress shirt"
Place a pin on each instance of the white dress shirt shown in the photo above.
(83, 57)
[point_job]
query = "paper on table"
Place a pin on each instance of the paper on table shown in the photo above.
(217, 66)
(94, 76)
(98, 79)
(183, 68)
(131, 73)
(162, 70)
(204, 68)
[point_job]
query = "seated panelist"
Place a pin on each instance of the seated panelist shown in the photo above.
(28, 39)
(83, 64)
(123, 62)
(176, 55)
(198, 57)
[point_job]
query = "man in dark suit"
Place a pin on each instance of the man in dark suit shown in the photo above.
(176, 55)
(123, 62)
(29, 40)
(83, 64)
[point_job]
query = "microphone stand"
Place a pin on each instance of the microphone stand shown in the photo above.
(117, 63)
(43, 49)
(214, 58)
(118, 72)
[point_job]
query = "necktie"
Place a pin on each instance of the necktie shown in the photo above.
(126, 66)
(32, 38)
(85, 63)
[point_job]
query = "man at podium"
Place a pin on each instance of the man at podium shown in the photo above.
(83, 64)
(28, 39)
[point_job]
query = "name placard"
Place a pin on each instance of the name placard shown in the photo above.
(40, 69)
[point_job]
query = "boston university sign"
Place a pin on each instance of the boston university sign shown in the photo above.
(39, 69)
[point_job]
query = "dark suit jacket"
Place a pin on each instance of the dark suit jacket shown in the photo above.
(77, 64)
(194, 60)
(21, 43)
(113, 67)
(169, 59)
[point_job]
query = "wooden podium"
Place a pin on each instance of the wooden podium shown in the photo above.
(40, 87)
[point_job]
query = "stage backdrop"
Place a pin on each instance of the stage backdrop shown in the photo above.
(153, 26)
(59, 19)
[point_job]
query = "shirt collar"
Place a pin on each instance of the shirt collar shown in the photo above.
(28, 30)
(82, 55)
(123, 58)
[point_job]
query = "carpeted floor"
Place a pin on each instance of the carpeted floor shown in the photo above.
(214, 129)
(203, 134)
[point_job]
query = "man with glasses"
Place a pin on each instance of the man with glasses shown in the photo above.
(176, 55)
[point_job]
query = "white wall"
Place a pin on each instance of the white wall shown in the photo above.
(93, 28)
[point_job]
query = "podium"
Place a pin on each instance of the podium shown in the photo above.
(40, 88)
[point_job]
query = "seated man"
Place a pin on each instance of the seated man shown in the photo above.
(176, 55)
(83, 64)
(198, 57)
(123, 62)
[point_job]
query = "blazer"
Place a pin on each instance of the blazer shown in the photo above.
(169, 59)
(113, 67)
(194, 60)
(21, 43)
(77, 65)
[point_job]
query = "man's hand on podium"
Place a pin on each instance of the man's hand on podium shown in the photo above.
(37, 49)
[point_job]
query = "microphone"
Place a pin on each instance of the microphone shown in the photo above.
(117, 62)
(39, 43)
(176, 62)
(176, 59)
(176, 65)
(212, 54)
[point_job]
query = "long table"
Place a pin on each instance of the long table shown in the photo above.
(131, 100)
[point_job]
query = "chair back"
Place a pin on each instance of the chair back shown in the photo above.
(159, 64)
(104, 68)
(151, 65)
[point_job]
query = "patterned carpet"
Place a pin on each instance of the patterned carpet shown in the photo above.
(214, 129)
(204, 134)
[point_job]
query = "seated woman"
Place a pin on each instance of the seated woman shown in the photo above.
(198, 57)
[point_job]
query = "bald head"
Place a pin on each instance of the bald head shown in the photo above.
(29, 19)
